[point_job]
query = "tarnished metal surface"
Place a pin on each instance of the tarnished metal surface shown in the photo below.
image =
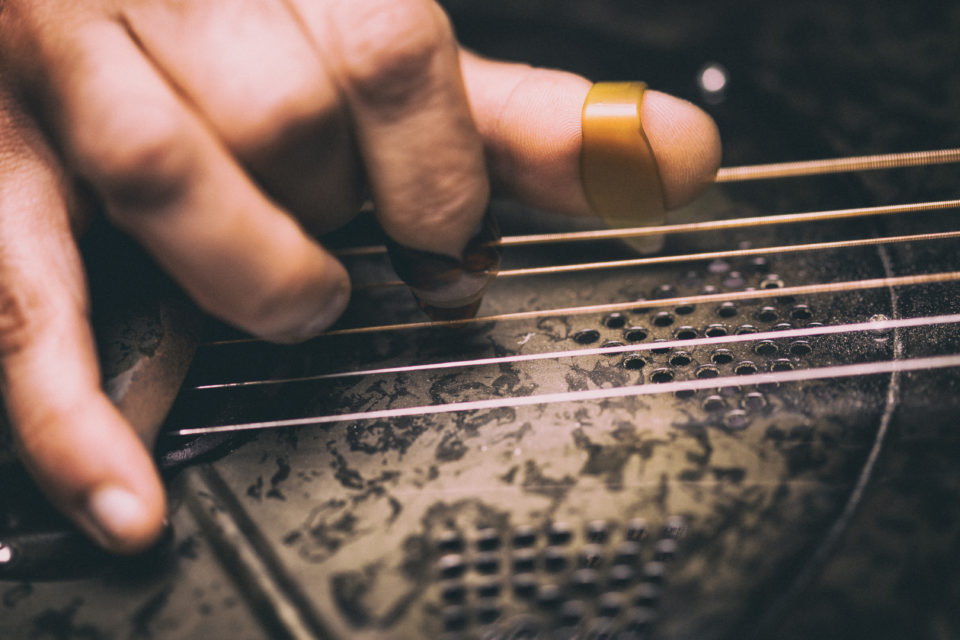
(822, 509)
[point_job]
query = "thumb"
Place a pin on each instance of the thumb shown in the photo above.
(78, 447)
(529, 119)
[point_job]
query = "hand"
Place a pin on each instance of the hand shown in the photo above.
(222, 137)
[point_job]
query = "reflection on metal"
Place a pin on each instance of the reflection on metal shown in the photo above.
(778, 377)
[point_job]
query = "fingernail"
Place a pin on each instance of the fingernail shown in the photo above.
(447, 288)
(335, 301)
(117, 513)
(314, 312)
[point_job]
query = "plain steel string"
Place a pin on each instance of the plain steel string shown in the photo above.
(875, 326)
(779, 377)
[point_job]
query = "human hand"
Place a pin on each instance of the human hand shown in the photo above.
(222, 137)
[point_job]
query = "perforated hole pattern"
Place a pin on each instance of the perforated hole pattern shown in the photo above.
(602, 577)
(727, 318)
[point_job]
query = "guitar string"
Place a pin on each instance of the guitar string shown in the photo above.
(731, 296)
(837, 165)
(695, 257)
(777, 377)
(757, 221)
(875, 327)
(693, 227)
(771, 171)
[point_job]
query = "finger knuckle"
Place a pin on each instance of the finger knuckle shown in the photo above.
(20, 308)
(456, 208)
(297, 106)
(390, 46)
(444, 214)
(139, 163)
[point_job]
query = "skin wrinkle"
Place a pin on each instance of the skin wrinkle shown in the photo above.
(210, 195)
(135, 150)
(276, 134)
(426, 118)
(309, 101)
(46, 347)
(497, 132)
(393, 56)
(358, 192)
(532, 160)
(22, 138)
(25, 160)
(669, 128)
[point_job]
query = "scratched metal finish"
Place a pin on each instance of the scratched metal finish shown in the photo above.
(357, 525)
(356, 511)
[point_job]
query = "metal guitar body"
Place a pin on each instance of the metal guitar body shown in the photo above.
(822, 508)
